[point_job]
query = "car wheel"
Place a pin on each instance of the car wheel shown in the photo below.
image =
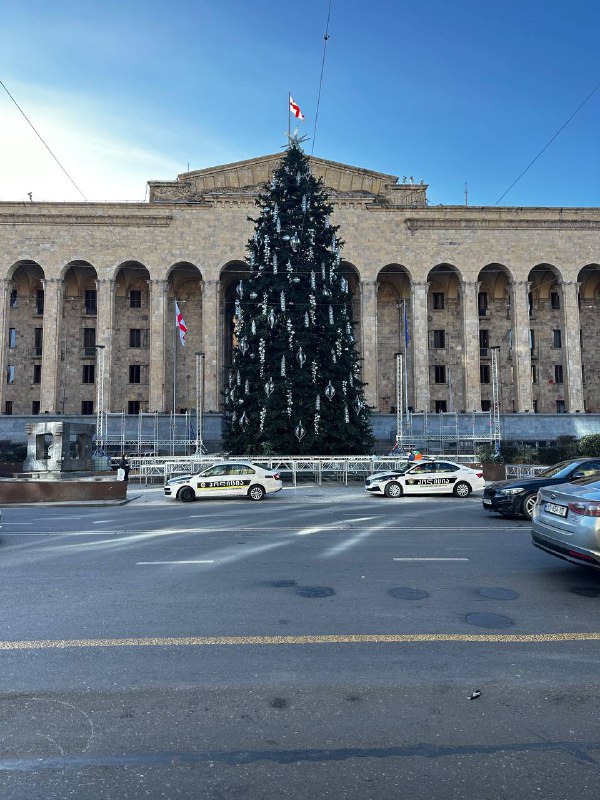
(256, 492)
(462, 489)
(187, 494)
(393, 489)
(528, 504)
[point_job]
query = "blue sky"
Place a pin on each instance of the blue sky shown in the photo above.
(446, 92)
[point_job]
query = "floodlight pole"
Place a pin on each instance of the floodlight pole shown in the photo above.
(199, 400)
(399, 392)
(100, 432)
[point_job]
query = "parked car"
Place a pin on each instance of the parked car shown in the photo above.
(517, 496)
(435, 476)
(566, 521)
(226, 479)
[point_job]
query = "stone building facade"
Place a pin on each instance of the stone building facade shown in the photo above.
(74, 277)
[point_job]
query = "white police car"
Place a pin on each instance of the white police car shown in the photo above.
(436, 476)
(226, 479)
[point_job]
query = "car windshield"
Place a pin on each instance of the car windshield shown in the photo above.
(557, 470)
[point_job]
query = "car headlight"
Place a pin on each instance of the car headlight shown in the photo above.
(516, 490)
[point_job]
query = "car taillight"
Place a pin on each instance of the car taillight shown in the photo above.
(276, 476)
(585, 509)
(480, 474)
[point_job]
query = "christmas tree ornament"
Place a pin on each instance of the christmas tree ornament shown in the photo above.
(301, 358)
(295, 242)
(243, 346)
(269, 387)
(306, 319)
(283, 366)
(282, 300)
(329, 391)
(331, 315)
(253, 295)
(304, 204)
(244, 421)
(238, 378)
(318, 402)
(263, 416)
(247, 387)
(313, 280)
(289, 402)
(346, 414)
(271, 318)
(253, 328)
(299, 431)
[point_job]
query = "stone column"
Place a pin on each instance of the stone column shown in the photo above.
(105, 321)
(157, 366)
(368, 332)
(571, 346)
(470, 333)
(521, 346)
(5, 287)
(51, 363)
(212, 333)
(419, 338)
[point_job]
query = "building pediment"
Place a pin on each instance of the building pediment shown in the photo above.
(247, 178)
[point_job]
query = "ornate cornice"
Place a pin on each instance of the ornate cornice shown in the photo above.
(415, 224)
(130, 220)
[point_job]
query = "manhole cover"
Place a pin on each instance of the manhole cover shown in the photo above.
(586, 591)
(314, 591)
(489, 620)
(497, 593)
(404, 593)
(281, 584)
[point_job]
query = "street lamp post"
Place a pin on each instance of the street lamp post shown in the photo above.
(100, 432)
(199, 401)
(399, 410)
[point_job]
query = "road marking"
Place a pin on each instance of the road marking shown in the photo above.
(150, 563)
(430, 559)
(205, 641)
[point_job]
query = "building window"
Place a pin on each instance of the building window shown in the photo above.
(535, 406)
(532, 341)
(530, 303)
(135, 298)
(35, 407)
(135, 337)
(484, 342)
(482, 303)
(12, 338)
(10, 373)
(89, 341)
(558, 373)
(486, 405)
(439, 373)
(556, 338)
(484, 373)
(8, 407)
(38, 338)
(534, 373)
(87, 407)
(91, 302)
(133, 407)
(438, 300)
(438, 339)
(37, 373)
(39, 302)
(509, 339)
(440, 406)
(88, 373)
(13, 298)
(560, 406)
(554, 300)
(135, 373)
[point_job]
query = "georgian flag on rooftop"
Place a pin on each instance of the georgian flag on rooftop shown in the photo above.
(181, 326)
(295, 109)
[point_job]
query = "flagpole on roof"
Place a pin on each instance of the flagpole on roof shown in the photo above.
(289, 114)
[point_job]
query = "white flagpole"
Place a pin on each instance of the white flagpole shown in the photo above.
(289, 113)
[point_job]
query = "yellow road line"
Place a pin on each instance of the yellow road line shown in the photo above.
(203, 641)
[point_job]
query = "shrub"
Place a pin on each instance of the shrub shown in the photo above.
(589, 445)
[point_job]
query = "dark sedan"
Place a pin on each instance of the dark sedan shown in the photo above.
(517, 496)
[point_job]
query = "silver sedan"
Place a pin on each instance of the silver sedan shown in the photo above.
(566, 521)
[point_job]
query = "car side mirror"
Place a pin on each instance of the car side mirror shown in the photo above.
(578, 474)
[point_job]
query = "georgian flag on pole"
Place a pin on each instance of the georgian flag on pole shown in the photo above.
(181, 326)
(295, 109)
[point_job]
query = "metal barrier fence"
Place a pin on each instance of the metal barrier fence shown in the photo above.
(339, 469)
(524, 470)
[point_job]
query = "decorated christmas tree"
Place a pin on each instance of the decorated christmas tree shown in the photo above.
(294, 383)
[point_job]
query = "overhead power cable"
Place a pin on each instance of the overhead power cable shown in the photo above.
(33, 128)
(325, 40)
(546, 146)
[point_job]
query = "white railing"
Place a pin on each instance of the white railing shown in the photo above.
(339, 469)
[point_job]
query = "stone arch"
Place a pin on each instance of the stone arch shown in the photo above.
(131, 338)
(21, 377)
(393, 290)
(589, 314)
(443, 344)
(78, 334)
(544, 280)
(184, 284)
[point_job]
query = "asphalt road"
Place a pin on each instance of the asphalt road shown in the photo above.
(320, 643)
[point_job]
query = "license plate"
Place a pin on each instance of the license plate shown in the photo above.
(552, 508)
(487, 502)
